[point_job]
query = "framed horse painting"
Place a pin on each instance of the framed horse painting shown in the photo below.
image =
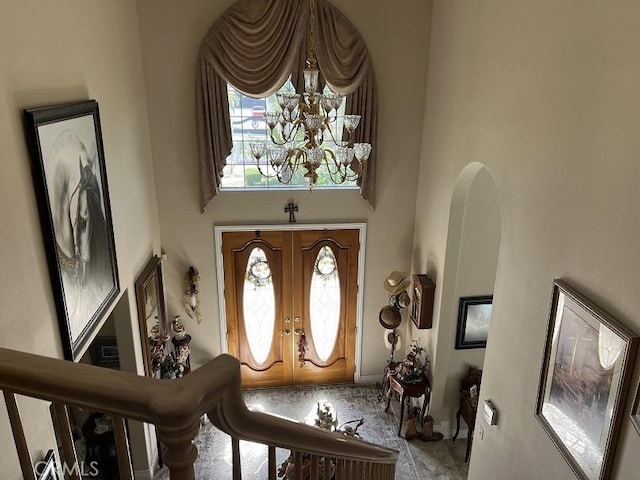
(70, 177)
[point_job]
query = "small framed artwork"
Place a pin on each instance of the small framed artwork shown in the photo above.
(474, 318)
(46, 469)
(104, 352)
(68, 165)
(586, 371)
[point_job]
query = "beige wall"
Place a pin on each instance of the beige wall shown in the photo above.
(474, 271)
(545, 94)
(397, 39)
(56, 52)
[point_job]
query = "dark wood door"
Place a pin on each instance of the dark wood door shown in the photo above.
(291, 301)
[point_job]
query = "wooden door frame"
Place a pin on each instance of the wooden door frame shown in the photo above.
(361, 227)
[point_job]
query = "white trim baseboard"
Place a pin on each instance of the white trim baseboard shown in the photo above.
(369, 379)
(446, 429)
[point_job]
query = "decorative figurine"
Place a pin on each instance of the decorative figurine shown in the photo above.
(177, 328)
(326, 421)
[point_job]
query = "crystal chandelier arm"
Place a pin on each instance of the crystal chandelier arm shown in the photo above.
(287, 137)
(264, 174)
(341, 173)
(350, 133)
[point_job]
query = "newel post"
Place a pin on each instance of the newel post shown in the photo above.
(178, 451)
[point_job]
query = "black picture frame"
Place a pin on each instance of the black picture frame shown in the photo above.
(70, 179)
(104, 352)
(584, 381)
(47, 469)
(474, 319)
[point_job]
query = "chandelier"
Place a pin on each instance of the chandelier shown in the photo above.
(307, 132)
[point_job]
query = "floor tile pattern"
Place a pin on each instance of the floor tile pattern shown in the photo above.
(443, 460)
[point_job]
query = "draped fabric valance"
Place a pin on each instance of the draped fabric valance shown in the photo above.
(255, 46)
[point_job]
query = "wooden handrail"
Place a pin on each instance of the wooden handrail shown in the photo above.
(121, 393)
(176, 407)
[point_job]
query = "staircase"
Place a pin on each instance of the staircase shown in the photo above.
(175, 408)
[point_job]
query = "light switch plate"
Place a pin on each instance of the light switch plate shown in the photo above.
(490, 412)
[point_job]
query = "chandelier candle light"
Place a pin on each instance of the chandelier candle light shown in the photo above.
(315, 115)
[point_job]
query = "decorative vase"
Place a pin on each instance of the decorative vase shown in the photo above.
(177, 328)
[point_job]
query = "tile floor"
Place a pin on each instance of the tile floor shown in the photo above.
(443, 460)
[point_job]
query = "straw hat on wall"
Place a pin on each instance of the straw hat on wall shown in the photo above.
(396, 282)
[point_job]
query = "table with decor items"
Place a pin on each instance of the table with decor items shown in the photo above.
(469, 386)
(468, 410)
(407, 390)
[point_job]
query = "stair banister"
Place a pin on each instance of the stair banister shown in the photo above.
(175, 408)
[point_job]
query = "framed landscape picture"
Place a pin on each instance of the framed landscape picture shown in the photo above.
(474, 319)
(70, 177)
(585, 377)
(104, 352)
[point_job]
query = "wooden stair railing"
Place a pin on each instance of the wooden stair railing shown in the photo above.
(175, 408)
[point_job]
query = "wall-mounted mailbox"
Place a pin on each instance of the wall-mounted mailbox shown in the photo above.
(422, 301)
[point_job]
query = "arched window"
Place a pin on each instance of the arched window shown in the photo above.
(248, 125)
(255, 46)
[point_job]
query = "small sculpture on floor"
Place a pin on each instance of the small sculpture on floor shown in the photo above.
(326, 420)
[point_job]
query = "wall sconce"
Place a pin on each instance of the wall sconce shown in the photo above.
(191, 298)
(192, 288)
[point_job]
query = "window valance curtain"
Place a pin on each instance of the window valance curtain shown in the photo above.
(255, 46)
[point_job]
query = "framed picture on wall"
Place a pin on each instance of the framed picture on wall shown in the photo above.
(586, 370)
(151, 312)
(474, 318)
(104, 352)
(68, 165)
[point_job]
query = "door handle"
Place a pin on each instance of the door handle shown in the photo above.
(287, 319)
(296, 319)
(298, 331)
(285, 332)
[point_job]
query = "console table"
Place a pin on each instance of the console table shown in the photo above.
(407, 390)
(468, 406)
(468, 410)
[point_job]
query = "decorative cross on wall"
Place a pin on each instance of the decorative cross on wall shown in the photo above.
(291, 208)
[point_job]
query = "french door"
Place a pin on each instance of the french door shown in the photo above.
(291, 301)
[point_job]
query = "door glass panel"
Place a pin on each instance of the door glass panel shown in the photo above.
(324, 302)
(259, 305)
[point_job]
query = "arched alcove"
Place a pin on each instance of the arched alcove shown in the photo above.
(471, 260)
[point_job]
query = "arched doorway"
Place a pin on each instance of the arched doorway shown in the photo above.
(471, 261)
